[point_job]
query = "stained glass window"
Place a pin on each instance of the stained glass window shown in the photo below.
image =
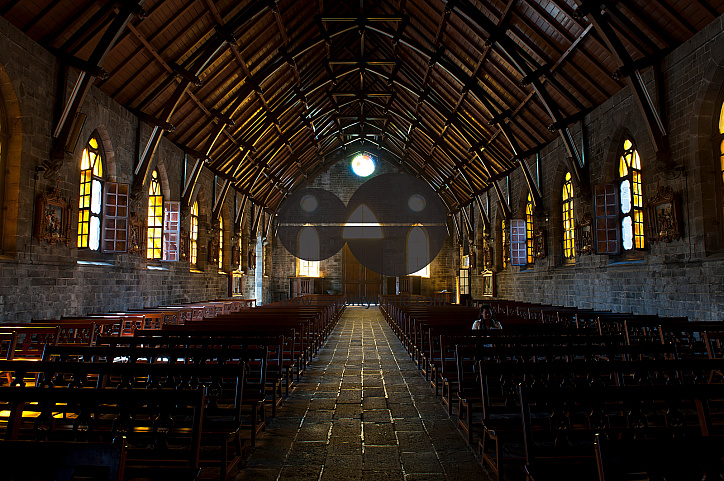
(529, 229)
(154, 244)
(568, 219)
(194, 233)
(631, 197)
(91, 195)
(221, 243)
(504, 243)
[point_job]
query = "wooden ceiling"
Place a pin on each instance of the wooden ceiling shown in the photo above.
(269, 94)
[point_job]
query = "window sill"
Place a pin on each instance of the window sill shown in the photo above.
(88, 257)
(196, 271)
(94, 263)
(157, 268)
(626, 262)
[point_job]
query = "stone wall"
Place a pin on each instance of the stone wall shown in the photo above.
(682, 278)
(43, 281)
(341, 181)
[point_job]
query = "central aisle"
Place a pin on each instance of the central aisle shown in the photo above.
(362, 411)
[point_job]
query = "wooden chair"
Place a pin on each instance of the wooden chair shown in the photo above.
(560, 424)
(682, 459)
(63, 461)
(162, 427)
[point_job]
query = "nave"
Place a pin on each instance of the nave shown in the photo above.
(362, 411)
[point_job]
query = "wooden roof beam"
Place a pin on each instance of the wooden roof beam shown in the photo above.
(510, 49)
(654, 124)
(83, 83)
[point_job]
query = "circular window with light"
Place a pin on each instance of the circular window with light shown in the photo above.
(363, 165)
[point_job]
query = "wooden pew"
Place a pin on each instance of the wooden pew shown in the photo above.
(500, 380)
(559, 424)
(110, 325)
(162, 427)
(221, 372)
(279, 343)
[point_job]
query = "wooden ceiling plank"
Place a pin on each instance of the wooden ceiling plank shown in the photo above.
(654, 124)
(83, 84)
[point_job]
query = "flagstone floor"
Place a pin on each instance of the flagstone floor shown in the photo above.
(362, 411)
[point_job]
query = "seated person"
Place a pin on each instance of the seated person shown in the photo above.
(486, 320)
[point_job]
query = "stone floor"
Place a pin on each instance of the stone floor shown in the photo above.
(362, 412)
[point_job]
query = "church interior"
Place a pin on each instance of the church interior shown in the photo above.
(249, 239)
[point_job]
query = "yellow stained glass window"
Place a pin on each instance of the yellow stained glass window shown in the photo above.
(194, 233)
(90, 197)
(503, 243)
(221, 243)
(632, 198)
(569, 251)
(529, 229)
(154, 244)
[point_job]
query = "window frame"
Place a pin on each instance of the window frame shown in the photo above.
(464, 282)
(170, 251)
(518, 243)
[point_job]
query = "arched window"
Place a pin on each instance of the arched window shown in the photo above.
(529, 229)
(154, 244)
(194, 234)
(309, 252)
(631, 202)
(221, 243)
(362, 224)
(504, 243)
(418, 252)
(90, 200)
(568, 219)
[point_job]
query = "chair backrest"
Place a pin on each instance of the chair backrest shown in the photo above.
(60, 460)
(8, 339)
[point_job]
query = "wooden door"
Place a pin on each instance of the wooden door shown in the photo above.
(360, 284)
